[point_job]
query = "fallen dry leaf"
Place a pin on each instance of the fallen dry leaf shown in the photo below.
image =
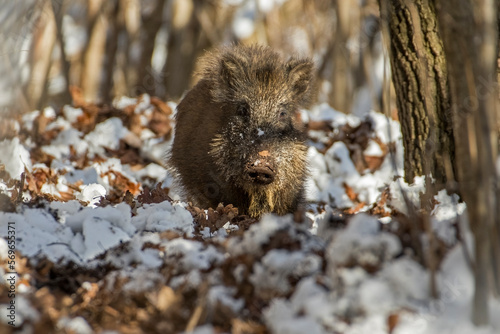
(392, 322)
(350, 192)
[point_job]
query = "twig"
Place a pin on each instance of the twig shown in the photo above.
(21, 188)
(198, 311)
(58, 10)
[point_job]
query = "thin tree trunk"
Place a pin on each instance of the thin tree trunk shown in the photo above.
(341, 78)
(132, 23)
(44, 40)
(470, 38)
(93, 54)
(58, 7)
(151, 25)
(111, 50)
(183, 47)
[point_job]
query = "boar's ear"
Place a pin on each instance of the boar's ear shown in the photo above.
(300, 77)
(232, 71)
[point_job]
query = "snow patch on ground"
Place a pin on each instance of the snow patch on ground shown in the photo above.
(314, 278)
(15, 157)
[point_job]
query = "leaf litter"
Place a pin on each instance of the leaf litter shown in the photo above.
(104, 244)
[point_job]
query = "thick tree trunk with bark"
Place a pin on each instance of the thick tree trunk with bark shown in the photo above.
(447, 96)
(420, 79)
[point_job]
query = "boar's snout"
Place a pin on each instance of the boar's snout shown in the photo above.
(261, 175)
(261, 170)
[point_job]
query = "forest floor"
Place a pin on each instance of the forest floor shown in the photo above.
(95, 239)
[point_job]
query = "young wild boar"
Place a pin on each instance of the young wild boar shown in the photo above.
(237, 137)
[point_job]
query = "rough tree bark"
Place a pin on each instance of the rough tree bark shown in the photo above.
(447, 96)
(470, 36)
(420, 79)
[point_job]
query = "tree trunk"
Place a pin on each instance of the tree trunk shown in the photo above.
(470, 37)
(43, 44)
(151, 24)
(94, 53)
(341, 77)
(58, 10)
(111, 51)
(447, 97)
(182, 48)
(420, 79)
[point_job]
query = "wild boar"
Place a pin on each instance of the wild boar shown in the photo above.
(238, 138)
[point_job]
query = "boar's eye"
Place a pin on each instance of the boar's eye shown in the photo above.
(282, 114)
(243, 109)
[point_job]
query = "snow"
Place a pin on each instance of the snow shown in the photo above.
(54, 189)
(281, 318)
(221, 294)
(99, 235)
(331, 170)
(88, 175)
(38, 234)
(277, 265)
(261, 232)
(4, 249)
(76, 325)
(155, 148)
(373, 149)
(91, 193)
(75, 36)
(60, 146)
(340, 164)
(24, 311)
(188, 255)
(451, 311)
(244, 20)
(309, 277)
(106, 134)
(363, 243)
(324, 112)
(445, 214)
(402, 192)
(15, 157)
(204, 329)
(118, 216)
(124, 101)
(267, 5)
(85, 232)
(164, 217)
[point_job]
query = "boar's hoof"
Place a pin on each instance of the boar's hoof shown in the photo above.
(260, 175)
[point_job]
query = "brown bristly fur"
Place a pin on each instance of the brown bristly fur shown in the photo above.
(244, 103)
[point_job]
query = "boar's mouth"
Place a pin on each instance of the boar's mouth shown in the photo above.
(260, 175)
(261, 171)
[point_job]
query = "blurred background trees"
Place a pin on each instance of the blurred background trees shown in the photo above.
(128, 47)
